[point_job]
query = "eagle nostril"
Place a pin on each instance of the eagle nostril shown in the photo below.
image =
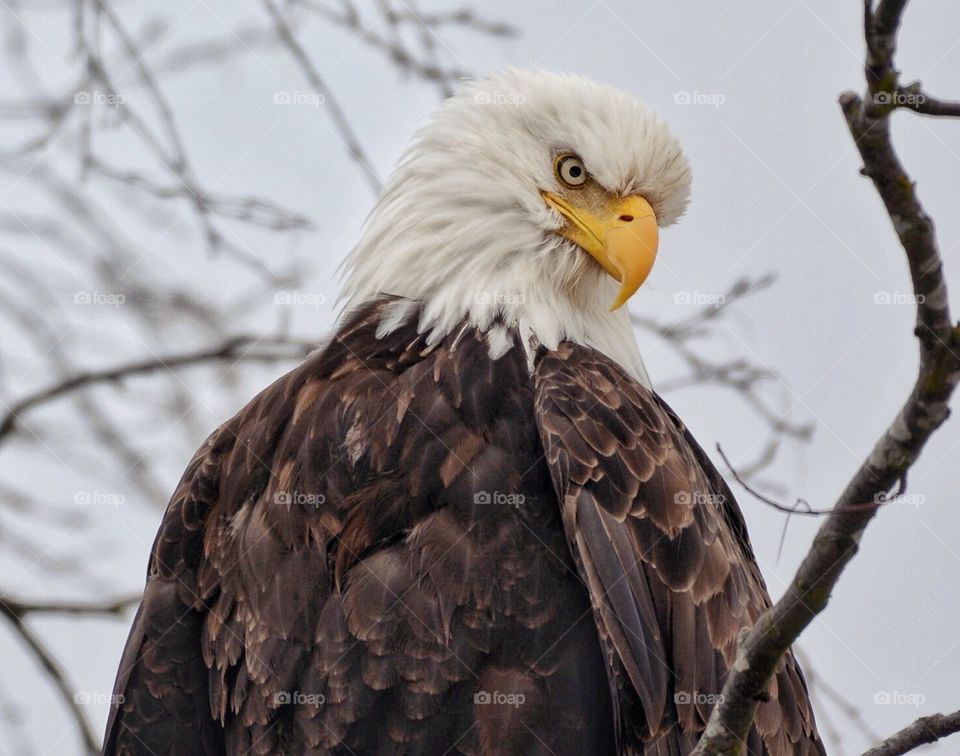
(626, 218)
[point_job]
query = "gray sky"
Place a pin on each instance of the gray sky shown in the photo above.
(776, 188)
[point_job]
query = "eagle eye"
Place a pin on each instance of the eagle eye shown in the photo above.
(570, 170)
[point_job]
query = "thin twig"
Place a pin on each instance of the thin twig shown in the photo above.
(801, 506)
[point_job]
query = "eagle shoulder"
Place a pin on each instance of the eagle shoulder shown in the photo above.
(662, 546)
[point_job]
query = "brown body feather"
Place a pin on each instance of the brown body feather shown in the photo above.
(405, 548)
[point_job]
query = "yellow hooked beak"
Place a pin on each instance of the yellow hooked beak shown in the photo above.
(620, 234)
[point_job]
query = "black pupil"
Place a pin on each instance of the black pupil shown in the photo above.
(575, 171)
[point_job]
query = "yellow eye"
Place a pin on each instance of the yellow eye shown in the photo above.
(570, 170)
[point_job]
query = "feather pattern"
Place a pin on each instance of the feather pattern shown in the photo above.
(368, 558)
(663, 549)
(411, 547)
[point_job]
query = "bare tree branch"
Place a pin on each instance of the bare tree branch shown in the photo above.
(820, 687)
(399, 55)
(925, 730)
(737, 374)
(465, 17)
(800, 506)
(53, 671)
(114, 606)
(761, 648)
(912, 97)
(80, 231)
(337, 114)
(234, 348)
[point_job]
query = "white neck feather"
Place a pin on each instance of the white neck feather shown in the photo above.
(461, 230)
(494, 300)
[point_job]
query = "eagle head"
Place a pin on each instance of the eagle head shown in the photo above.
(530, 201)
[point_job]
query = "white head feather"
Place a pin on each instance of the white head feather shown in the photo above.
(462, 229)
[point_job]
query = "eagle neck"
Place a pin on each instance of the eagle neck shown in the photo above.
(531, 324)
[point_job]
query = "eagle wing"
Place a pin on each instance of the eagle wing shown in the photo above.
(160, 704)
(662, 546)
(332, 574)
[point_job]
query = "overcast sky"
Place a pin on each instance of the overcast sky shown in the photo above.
(751, 90)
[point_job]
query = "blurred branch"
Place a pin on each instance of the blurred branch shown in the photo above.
(693, 325)
(761, 649)
(337, 114)
(819, 686)
(395, 51)
(737, 374)
(170, 150)
(56, 675)
(252, 210)
(234, 348)
(465, 17)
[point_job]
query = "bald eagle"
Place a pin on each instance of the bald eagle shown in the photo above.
(467, 523)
